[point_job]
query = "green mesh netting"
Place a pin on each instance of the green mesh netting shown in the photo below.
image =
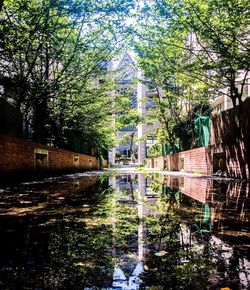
(167, 149)
(202, 130)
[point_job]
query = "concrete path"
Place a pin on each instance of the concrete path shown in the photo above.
(138, 169)
(127, 169)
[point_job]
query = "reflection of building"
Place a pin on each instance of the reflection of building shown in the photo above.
(204, 216)
(133, 191)
(131, 283)
(127, 272)
(224, 102)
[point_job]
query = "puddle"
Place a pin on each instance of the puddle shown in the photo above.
(125, 232)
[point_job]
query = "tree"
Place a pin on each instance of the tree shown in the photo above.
(53, 54)
(218, 41)
(162, 58)
(193, 51)
(129, 119)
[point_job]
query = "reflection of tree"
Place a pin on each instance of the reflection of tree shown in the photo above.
(125, 215)
(185, 252)
(79, 241)
(84, 248)
(67, 247)
(81, 255)
(173, 262)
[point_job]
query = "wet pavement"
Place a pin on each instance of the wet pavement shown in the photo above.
(125, 230)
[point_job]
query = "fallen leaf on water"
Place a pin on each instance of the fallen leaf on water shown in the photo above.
(161, 253)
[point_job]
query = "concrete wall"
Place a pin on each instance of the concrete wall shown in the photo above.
(19, 157)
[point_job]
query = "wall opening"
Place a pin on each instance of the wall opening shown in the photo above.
(181, 163)
(181, 182)
(41, 160)
(219, 162)
(166, 164)
(76, 161)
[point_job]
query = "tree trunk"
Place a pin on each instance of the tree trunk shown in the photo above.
(131, 143)
(1, 5)
(193, 144)
(40, 119)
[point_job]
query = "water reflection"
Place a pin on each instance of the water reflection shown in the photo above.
(125, 232)
(212, 218)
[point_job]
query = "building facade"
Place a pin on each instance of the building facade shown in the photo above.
(130, 80)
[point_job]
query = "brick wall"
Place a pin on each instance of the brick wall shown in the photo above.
(197, 188)
(150, 163)
(238, 161)
(171, 162)
(18, 156)
(229, 148)
(200, 160)
(197, 160)
(230, 134)
(158, 163)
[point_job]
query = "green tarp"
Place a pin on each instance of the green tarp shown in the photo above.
(207, 213)
(202, 130)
